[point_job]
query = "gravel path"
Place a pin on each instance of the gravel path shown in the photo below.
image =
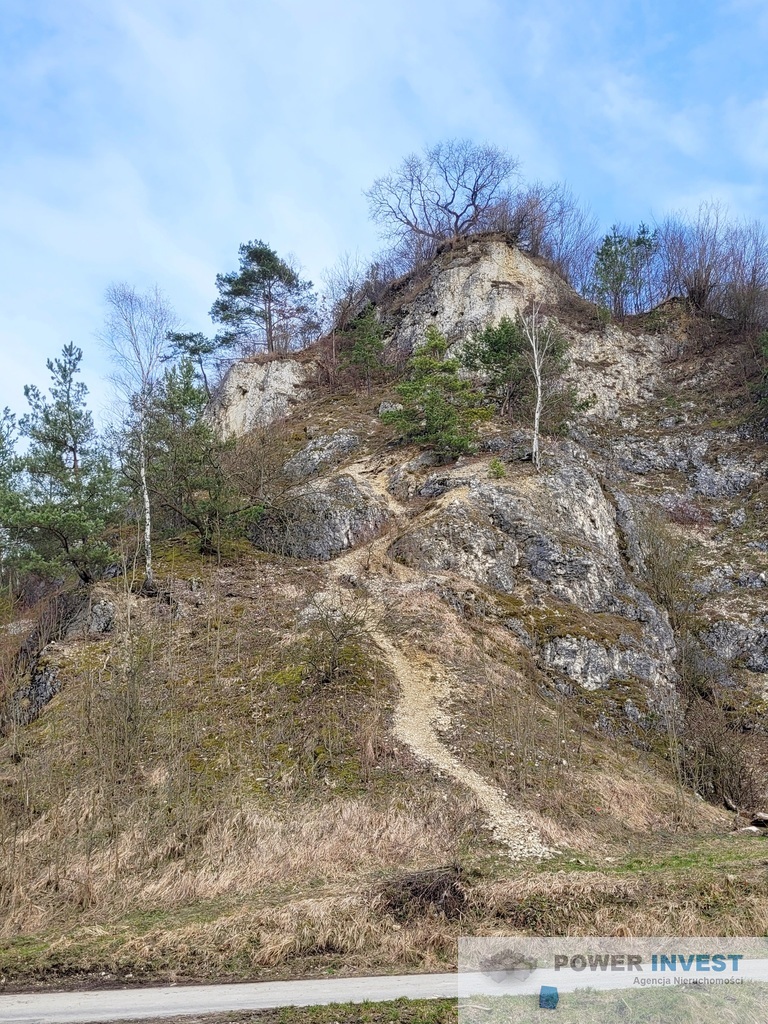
(424, 693)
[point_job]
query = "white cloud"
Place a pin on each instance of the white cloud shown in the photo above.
(143, 140)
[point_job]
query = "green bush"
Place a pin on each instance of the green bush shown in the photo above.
(440, 409)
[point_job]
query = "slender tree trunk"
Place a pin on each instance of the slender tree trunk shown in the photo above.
(269, 325)
(149, 582)
(201, 364)
(539, 344)
(536, 455)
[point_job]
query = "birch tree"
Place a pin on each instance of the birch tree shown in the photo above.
(135, 335)
(545, 357)
(521, 361)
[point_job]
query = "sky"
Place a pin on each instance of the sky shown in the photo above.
(142, 141)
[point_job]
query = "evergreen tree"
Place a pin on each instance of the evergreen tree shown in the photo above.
(189, 479)
(522, 360)
(440, 409)
(8, 433)
(623, 270)
(367, 352)
(201, 350)
(502, 353)
(264, 305)
(58, 499)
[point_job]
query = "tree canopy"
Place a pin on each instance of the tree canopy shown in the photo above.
(440, 408)
(446, 193)
(265, 305)
(59, 497)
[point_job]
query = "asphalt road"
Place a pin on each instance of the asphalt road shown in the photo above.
(175, 1001)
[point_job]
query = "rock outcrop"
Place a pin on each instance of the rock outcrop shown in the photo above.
(322, 453)
(321, 519)
(550, 543)
(483, 281)
(560, 553)
(255, 394)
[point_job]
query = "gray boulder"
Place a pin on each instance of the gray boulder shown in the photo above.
(742, 644)
(321, 519)
(321, 453)
(93, 620)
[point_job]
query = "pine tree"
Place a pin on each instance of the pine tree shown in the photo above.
(623, 270)
(264, 305)
(440, 409)
(188, 477)
(367, 352)
(58, 499)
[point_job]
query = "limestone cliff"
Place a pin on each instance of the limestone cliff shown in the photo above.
(265, 767)
(665, 436)
(255, 393)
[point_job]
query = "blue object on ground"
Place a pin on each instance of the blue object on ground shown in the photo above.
(548, 998)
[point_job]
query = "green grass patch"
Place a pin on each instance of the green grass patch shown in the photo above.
(726, 1004)
(398, 1011)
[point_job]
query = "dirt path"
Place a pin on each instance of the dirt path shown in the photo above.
(424, 693)
(418, 714)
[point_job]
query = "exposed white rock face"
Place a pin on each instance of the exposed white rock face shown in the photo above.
(490, 279)
(256, 394)
(615, 369)
(474, 287)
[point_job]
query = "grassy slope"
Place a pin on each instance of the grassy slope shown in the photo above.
(200, 802)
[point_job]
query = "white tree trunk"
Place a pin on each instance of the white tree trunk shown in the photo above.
(150, 579)
(536, 455)
(539, 341)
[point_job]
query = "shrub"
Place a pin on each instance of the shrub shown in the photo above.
(440, 410)
(414, 893)
(496, 470)
(367, 352)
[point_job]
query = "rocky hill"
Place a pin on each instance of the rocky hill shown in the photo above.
(425, 696)
(666, 435)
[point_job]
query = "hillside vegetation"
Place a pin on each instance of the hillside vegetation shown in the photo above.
(451, 622)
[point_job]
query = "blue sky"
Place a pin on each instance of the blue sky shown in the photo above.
(143, 140)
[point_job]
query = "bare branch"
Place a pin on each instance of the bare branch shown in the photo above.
(446, 193)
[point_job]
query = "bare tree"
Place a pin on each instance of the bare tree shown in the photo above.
(693, 255)
(135, 335)
(547, 220)
(343, 290)
(446, 193)
(745, 294)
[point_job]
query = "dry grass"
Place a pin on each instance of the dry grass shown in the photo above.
(217, 792)
(688, 902)
(199, 799)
